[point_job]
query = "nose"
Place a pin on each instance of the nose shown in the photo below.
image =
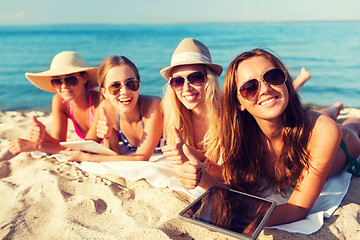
(123, 89)
(63, 84)
(187, 85)
(264, 86)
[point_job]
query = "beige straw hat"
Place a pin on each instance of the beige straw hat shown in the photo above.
(64, 63)
(190, 51)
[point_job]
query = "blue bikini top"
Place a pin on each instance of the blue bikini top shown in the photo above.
(129, 145)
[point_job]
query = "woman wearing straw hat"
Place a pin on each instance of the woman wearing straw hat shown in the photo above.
(123, 114)
(191, 102)
(72, 81)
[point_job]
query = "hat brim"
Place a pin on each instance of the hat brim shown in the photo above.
(42, 80)
(166, 72)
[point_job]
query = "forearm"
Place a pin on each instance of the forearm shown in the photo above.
(287, 213)
(207, 181)
(49, 147)
(49, 138)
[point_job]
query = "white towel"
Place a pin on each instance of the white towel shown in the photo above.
(159, 173)
(330, 198)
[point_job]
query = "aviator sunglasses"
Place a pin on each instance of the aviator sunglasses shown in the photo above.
(195, 78)
(69, 81)
(131, 84)
(250, 88)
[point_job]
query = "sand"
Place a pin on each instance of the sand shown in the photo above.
(46, 199)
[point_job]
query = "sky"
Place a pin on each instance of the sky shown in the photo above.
(48, 12)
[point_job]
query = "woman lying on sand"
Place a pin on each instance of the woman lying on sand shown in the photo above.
(72, 81)
(123, 114)
(269, 140)
(191, 103)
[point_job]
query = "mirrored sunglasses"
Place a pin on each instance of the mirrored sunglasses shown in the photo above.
(250, 88)
(131, 84)
(195, 78)
(69, 81)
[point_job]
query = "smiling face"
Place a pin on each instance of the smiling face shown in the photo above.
(68, 87)
(125, 100)
(191, 96)
(271, 101)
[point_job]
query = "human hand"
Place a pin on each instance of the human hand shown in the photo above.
(104, 125)
(37, 130)
(19, 145)
(174, 152)
(74, 155)
(190, 172)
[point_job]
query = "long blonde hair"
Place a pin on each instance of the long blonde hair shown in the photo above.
(177, 115)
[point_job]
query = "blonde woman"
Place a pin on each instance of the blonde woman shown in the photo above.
(191, 102)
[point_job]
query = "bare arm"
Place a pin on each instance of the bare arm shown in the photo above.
(322, 147)
(150, 138)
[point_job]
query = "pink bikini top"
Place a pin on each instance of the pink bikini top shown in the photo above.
(77, 130)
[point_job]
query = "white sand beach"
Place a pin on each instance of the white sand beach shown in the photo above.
(42, 198)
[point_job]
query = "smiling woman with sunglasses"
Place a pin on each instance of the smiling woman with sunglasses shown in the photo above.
(269, 142)
(191, 103)
(123, 115)
(72, 81)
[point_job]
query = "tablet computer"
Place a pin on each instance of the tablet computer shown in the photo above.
(88, 146)
(229, 212)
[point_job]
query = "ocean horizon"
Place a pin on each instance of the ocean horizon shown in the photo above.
(329, 50)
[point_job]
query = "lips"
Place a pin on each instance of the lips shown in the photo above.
(126, 101)
(268, 101)
(191, 97)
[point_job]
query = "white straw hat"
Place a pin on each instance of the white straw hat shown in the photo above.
(190, 51)
(64, 63)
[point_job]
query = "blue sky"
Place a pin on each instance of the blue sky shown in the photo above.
(42, 12)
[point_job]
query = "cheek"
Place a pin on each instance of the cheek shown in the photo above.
(178, 94)
(240, 105)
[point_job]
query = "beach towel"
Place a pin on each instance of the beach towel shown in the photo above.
(159, 173)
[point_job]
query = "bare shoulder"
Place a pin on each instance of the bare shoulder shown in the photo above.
(324, 128)
(109, 108)
(58, 104)
(95, 101)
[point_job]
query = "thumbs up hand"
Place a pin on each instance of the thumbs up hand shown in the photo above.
(174, 152)
(104, 125)
(191, 172)
(37, 130)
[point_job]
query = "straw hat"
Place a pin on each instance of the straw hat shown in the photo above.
(64, 63)
(190, 51)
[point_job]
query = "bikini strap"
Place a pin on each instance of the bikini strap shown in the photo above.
(354, 167)
(77, 130)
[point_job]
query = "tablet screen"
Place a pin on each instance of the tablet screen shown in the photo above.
(230, 212)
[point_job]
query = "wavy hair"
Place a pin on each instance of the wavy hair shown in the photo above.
(243, 151)
(176, 114)
(111, 62)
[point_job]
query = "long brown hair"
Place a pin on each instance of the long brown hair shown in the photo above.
(241, 143)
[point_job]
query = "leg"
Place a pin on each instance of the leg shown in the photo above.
(353, 124)
(332, 111)
(301, 79)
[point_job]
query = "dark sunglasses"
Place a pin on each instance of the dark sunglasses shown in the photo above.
(69, 81)
(195, 78)
(131, 84)
(250, 88)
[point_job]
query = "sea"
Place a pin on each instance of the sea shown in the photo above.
(330, 51)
